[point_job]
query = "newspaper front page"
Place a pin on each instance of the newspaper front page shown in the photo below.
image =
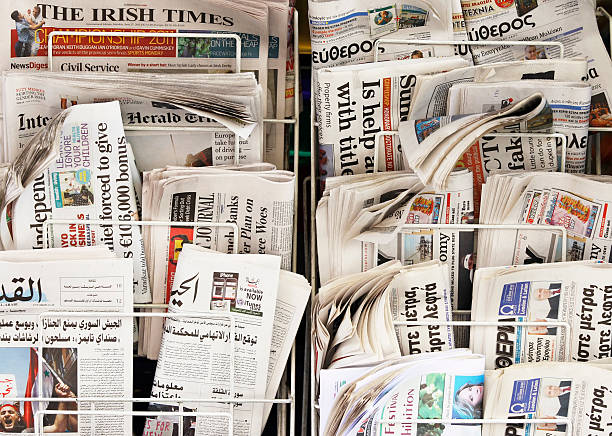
(570, 22)
(224, 356)
(262, 28)
(344, 32)
(577, 392)
(576, 293)
(79, 356)
(89, 179)
(355, 103)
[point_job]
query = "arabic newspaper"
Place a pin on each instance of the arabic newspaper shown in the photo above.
(224, 354)
(571, 23)
(80, 355)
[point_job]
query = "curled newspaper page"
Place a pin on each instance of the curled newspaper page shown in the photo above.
(148, 101)
(62, 356)
(384, 399)
(355, 103)
(570, 103)
(571, 23)
(575, 296)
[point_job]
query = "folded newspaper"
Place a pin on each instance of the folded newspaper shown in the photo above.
(388, 398)
(240, 314)
(570, 103)
(573, 297)
(229, 105)
(566, 398)
(256, 200)
(572, 24)
(69, 353)
(78, 168)
(437, 144)
(355, 103)
(344, 32)
(579, 204)
(193, 41)
(353, 316)
(361, 224)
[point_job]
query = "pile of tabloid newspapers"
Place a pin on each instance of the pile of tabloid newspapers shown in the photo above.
(435, 159)
(150, 111)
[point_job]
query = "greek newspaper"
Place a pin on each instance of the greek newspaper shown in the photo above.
(567, 398)
(90, 178)
(225, 353)
(344, 32)
(63, 356)
(355, 103)
(389, 239)
(570, 22)
(575, 297)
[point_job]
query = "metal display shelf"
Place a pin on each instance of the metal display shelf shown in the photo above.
(285, 392)
(407, 227)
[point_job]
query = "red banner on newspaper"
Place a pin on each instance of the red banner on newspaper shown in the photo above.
(471, 160)
(93, 45)
(389, 164)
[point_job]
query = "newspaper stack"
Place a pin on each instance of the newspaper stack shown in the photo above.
(570, 103)
(195, 43)
(355, 103)
(580, 204)
(572, 24)
(386, 399)
(436, 144)
(65, 355)
(352, 316)
(148, 101)
(245, 314)
(431, 91)
(259, 201)
(78, 168)
(569, 398)
(344, 32)
(360, 222)
(573, 296)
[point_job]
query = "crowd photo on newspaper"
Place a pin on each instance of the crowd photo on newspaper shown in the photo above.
(154, 220)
